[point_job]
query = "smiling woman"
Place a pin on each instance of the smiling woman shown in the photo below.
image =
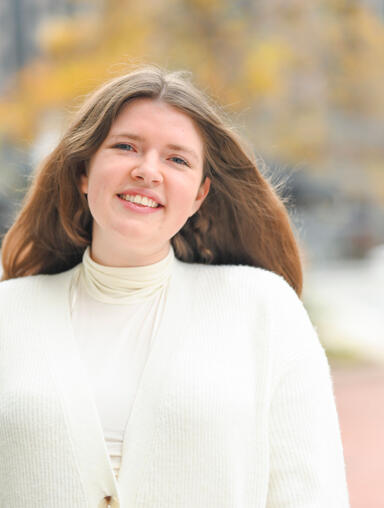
(154, 348)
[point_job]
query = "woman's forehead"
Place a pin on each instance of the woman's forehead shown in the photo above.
(145, 116)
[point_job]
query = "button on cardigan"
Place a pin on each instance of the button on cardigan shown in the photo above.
(235, 408)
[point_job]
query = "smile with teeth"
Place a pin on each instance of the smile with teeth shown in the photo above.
(139, 200)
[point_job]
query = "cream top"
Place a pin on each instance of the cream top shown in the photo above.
(115, 315)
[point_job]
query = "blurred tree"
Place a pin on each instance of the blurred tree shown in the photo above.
(293, 68)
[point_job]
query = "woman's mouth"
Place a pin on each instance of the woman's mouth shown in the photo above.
(139, 204)
(139, 200)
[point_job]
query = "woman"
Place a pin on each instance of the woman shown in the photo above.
(155, 351)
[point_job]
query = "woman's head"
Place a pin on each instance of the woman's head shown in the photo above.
(144, 182)
(241, 221)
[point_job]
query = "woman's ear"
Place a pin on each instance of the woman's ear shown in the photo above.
(84, 184)
(84, 179)
(202, 194)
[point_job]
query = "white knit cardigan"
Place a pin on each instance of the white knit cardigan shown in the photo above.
(235, 408)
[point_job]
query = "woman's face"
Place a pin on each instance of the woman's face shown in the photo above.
(143, 183)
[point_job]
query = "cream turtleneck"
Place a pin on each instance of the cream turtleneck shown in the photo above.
(109, 284)
(115, 316)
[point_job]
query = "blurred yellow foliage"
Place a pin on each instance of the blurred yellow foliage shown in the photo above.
(206, 4)
(264, 68)
(289, 66)
(74, 63)
(62, 36)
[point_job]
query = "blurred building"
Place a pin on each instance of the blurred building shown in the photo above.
(19, 22)
(376, 5)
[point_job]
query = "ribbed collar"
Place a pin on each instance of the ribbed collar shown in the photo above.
(110, 284)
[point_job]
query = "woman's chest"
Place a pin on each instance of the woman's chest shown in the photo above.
(207, 372)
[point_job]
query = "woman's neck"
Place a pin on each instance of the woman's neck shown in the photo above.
(128, 284)
(127, 257)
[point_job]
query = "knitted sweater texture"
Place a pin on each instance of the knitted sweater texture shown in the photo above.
(235, 407)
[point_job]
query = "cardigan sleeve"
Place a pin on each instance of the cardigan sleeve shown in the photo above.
(307, 467)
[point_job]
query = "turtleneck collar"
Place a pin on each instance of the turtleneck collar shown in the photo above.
(122, 285)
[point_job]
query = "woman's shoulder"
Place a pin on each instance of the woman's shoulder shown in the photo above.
(17, 285)
(26, 287)
(234, 278)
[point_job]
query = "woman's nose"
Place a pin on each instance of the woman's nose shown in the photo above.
(147, 171)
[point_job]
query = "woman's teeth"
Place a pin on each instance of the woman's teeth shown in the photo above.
(140, 200)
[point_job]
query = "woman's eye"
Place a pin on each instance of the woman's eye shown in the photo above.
(179, 160)
(124, 146)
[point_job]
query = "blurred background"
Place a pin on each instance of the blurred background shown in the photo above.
(304, 84)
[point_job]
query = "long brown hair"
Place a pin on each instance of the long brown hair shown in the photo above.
(242, 220)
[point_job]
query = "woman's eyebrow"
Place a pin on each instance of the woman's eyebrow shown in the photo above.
(183, 148)
(127, 135)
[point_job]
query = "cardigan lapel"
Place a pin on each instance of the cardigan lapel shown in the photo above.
(72, 383)
(140, 429)
(79, 405)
